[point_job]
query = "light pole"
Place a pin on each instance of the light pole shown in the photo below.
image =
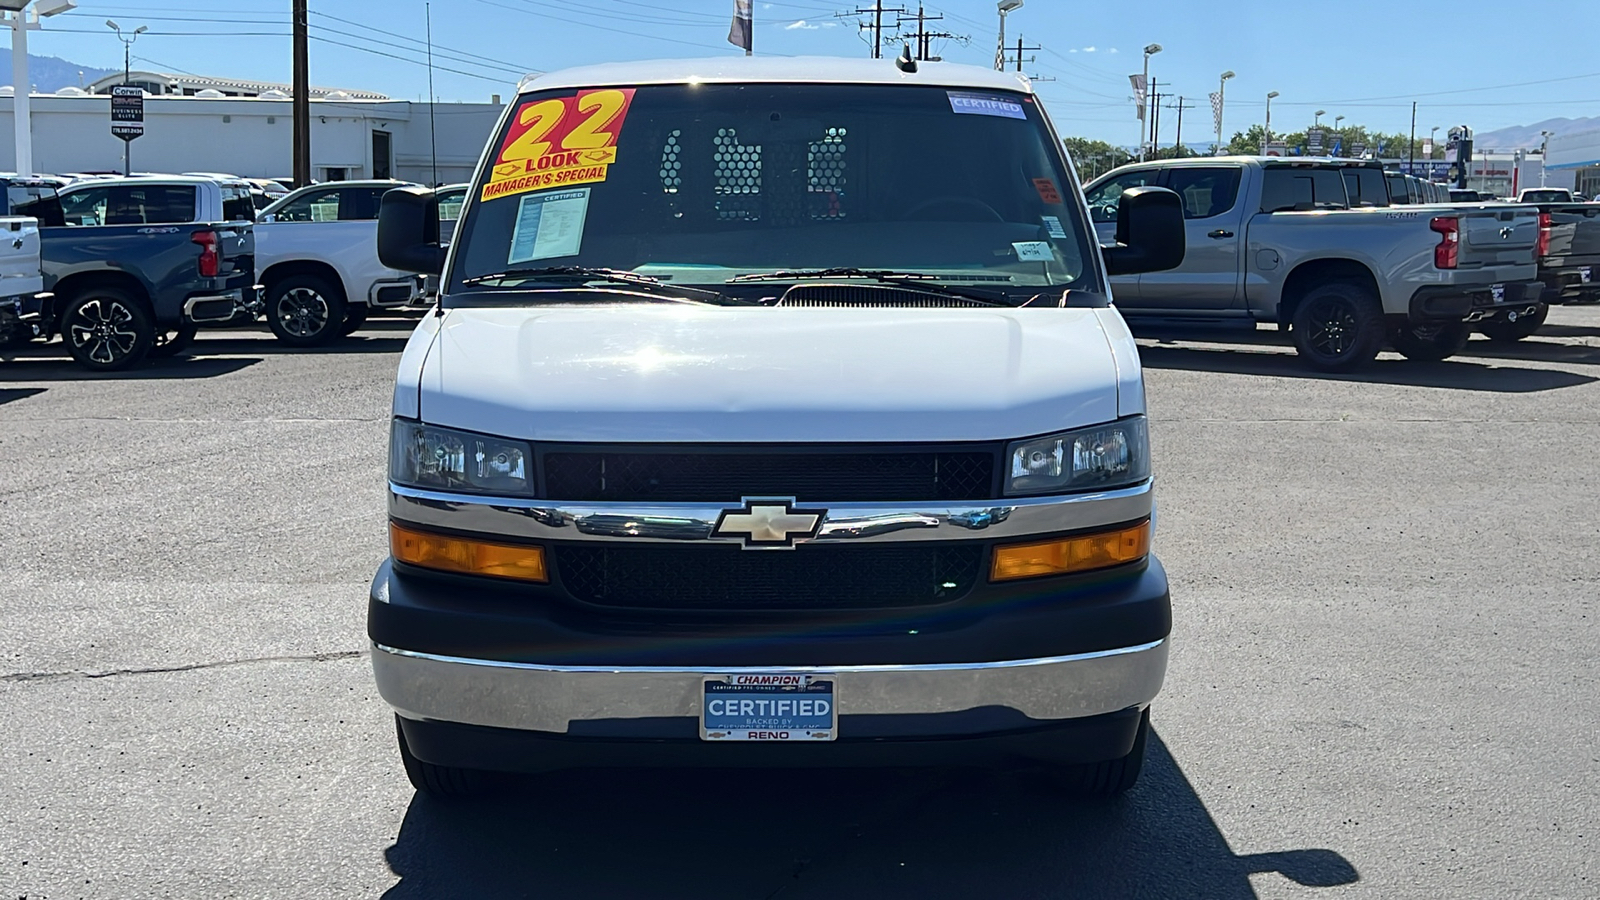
(1544, 151)
(21, 20)
(1266, 135)
(1144, 102)
(127, 76)
(1222, 87)
(1319, 114)
(1004, 6)
(1433, 142)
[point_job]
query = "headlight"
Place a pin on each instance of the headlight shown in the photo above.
(1113, 455)
(426, 456)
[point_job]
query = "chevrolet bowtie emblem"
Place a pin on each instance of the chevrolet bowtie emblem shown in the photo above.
(769, 523)
(1506, 233)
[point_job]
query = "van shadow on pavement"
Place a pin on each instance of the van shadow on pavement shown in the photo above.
(9, 394)
(51, 363)
(777, 833)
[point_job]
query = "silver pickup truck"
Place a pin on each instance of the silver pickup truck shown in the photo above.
(1313, 245)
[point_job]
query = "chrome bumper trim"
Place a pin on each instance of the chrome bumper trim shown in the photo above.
(535, 697)
(549, 520)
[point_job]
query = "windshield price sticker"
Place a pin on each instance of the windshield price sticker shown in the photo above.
(768, 707)
(559, 142)
(970, 104)
(549, 225)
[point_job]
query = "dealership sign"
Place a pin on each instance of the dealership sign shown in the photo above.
(127, 111)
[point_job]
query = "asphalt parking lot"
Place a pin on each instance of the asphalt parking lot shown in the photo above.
(1383, 681)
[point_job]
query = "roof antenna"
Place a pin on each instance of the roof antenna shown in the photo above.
(904, 62)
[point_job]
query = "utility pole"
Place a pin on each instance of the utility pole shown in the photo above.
(1020, 50)
(876, 27)
(1411, 151)
(1180, 107)
(302, 96)
(924, 37)
(1155, 118)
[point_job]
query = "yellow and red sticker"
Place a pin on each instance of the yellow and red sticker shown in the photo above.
(560, 141)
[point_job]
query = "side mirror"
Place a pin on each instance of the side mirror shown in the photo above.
(1149, 233)
(408, 231)
(268, 217)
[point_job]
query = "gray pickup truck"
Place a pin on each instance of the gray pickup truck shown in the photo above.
(1313, 245)
(134, 265)
(1568, 255)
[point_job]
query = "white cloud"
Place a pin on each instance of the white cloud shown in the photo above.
(1088, 49)
(1112, 50)
(1074, 50)
(802, 24)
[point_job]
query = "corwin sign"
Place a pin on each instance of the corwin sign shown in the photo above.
(127, 111)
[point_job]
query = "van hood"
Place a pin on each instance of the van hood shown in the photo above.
(642, 373)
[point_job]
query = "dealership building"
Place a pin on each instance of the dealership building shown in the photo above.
(196, 124)
(1577, 158)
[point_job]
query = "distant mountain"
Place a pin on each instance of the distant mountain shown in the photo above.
(1527, 137)
(50, 73)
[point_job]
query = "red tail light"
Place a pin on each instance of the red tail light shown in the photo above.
(209, 259)
(1449, 228)
(1542, 248)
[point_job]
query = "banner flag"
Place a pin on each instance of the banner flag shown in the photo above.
(1139, 94)
(742, 32)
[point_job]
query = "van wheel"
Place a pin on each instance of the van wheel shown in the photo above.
(304, 311)
(1106, 779)
(106, 329)
(1338, 327)
(1524, 326)
(171, 343)
(1431, 343)
(354, 318)
(444, 782)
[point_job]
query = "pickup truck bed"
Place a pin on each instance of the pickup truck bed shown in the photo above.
(1568, 256)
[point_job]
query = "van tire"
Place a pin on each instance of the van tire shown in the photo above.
(106, 329)
(1431, 343)
(1502, 331)
(1110, 778)
(443, 782)
(1338, 327)
(305, 311)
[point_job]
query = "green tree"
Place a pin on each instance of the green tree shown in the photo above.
(1093, 158)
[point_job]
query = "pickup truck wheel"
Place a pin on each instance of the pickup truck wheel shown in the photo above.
(1338, 327)
(354, 318)
(1524, 326)
(171, 343)
(304, 311)
(444, 782)
(105, 330)
(1106, 779)
(1432, 343)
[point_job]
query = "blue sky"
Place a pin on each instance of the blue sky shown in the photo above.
(1486, 69)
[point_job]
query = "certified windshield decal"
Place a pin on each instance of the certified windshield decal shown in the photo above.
(549, 225)
(560, 141)
(971, 104)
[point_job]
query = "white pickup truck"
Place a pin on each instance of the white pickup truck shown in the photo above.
(773, 412)
(21, 278)
(317, 256)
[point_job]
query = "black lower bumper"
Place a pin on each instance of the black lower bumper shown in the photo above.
(475, 619)
(1454, 303)
(1571, 284)
(1086, 740)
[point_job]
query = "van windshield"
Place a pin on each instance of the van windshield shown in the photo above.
(700, 184)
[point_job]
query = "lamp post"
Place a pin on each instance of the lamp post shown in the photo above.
(127, 76)
(1433, 142)
(1319, 114)
(1144, 102)
(1266, 136)
(22, 20)
(1004, 6)
(1222, 87)
(1544, 151)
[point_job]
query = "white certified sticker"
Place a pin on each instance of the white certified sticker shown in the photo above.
(1033, 251)
(549, 225)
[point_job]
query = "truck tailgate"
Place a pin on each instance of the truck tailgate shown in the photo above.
(19, 256)
(1494, 237)
(236, 244)
(1574, 234)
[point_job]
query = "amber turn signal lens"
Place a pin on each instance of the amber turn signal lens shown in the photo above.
(1075, 554)
(468, 557)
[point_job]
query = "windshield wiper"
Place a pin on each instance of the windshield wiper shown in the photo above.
(920, 281)
(584, 274)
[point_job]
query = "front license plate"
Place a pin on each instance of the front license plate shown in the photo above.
(1498, 292)
(768, 707)
(1584, 274)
